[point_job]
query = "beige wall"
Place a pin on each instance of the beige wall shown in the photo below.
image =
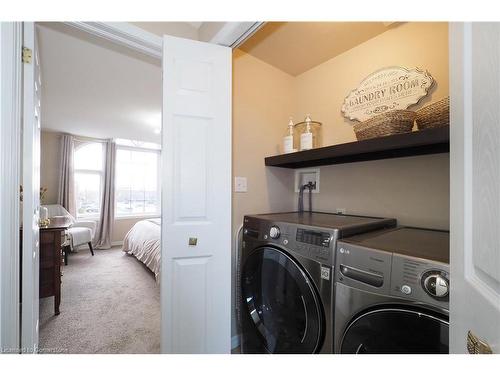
(414, 190)
(262, 100)
(321, 90)
(49, 178)
(49, 165)
(121, 227)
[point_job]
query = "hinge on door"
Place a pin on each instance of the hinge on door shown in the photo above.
(27, 54)
(477, 346)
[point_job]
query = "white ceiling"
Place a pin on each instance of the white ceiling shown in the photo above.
(195, 24)
(295, 47)
(97, 89)
(188, 30)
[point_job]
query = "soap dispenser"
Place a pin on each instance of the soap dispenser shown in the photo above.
(306, 138)
(288, 139)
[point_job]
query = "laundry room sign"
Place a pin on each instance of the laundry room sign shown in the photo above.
(387, 89)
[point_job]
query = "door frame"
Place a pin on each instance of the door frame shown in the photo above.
(10, 170)
(231, 34)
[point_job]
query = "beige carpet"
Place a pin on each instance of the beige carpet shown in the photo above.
(110, 303)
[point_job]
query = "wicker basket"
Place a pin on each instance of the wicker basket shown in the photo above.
(434, 115)
(388, 123)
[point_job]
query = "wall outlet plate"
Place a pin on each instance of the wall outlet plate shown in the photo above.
(240, 185)
(303, 176)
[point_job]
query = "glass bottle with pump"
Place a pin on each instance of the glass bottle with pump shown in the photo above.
(310, 133)
(306, 138)
(288, 140)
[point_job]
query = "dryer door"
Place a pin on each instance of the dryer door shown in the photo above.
(282, 302)
(396, 330)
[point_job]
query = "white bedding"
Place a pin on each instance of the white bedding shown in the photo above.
(143, 242)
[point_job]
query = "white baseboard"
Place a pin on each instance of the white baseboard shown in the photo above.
(235, 342)
(117, 243)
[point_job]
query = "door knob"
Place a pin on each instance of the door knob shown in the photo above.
(476, 345)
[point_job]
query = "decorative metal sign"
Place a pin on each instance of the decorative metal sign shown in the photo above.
(385, 90)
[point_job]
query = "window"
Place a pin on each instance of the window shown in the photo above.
(88, 172)
(137, 190)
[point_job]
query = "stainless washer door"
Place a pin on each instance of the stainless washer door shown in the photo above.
(281, 302)
(396, 330)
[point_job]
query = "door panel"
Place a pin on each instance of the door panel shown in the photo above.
(475, 184)
(196, 212)
(191, 138)
(190, 331)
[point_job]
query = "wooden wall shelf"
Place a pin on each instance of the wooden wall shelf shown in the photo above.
(423, 142)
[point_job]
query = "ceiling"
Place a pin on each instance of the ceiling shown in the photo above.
(295, 47)
(95, 88)
(188, 30)
(203, 31)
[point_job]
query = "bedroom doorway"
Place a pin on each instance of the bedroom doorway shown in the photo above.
(100, 168)
(196, 106)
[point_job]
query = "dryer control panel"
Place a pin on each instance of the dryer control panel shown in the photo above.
(392, 274)
(363, 268)
(420, 279)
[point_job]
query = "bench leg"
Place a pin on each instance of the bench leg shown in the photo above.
(90, 247)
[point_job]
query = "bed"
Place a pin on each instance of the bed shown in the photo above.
(143, 242)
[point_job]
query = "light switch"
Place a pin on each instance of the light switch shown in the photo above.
(240, 184)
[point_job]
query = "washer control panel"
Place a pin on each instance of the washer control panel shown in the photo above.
(274, 232)
(421, 280)
(313, 237)
(315, 244)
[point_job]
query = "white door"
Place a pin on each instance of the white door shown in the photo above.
(475, 185)
(196, 197)
(31, 191)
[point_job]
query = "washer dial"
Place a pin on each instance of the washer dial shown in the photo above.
(274, 232)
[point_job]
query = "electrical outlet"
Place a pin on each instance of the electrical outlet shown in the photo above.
(340, 211)
(240, 184)
(303, 176)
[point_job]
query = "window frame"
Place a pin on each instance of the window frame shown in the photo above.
(157, 214)
(80, 144)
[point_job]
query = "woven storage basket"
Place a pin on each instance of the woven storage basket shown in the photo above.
(434, 115)
(388, 123)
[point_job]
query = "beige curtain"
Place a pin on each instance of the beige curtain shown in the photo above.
(104, 231)
(66, 192)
